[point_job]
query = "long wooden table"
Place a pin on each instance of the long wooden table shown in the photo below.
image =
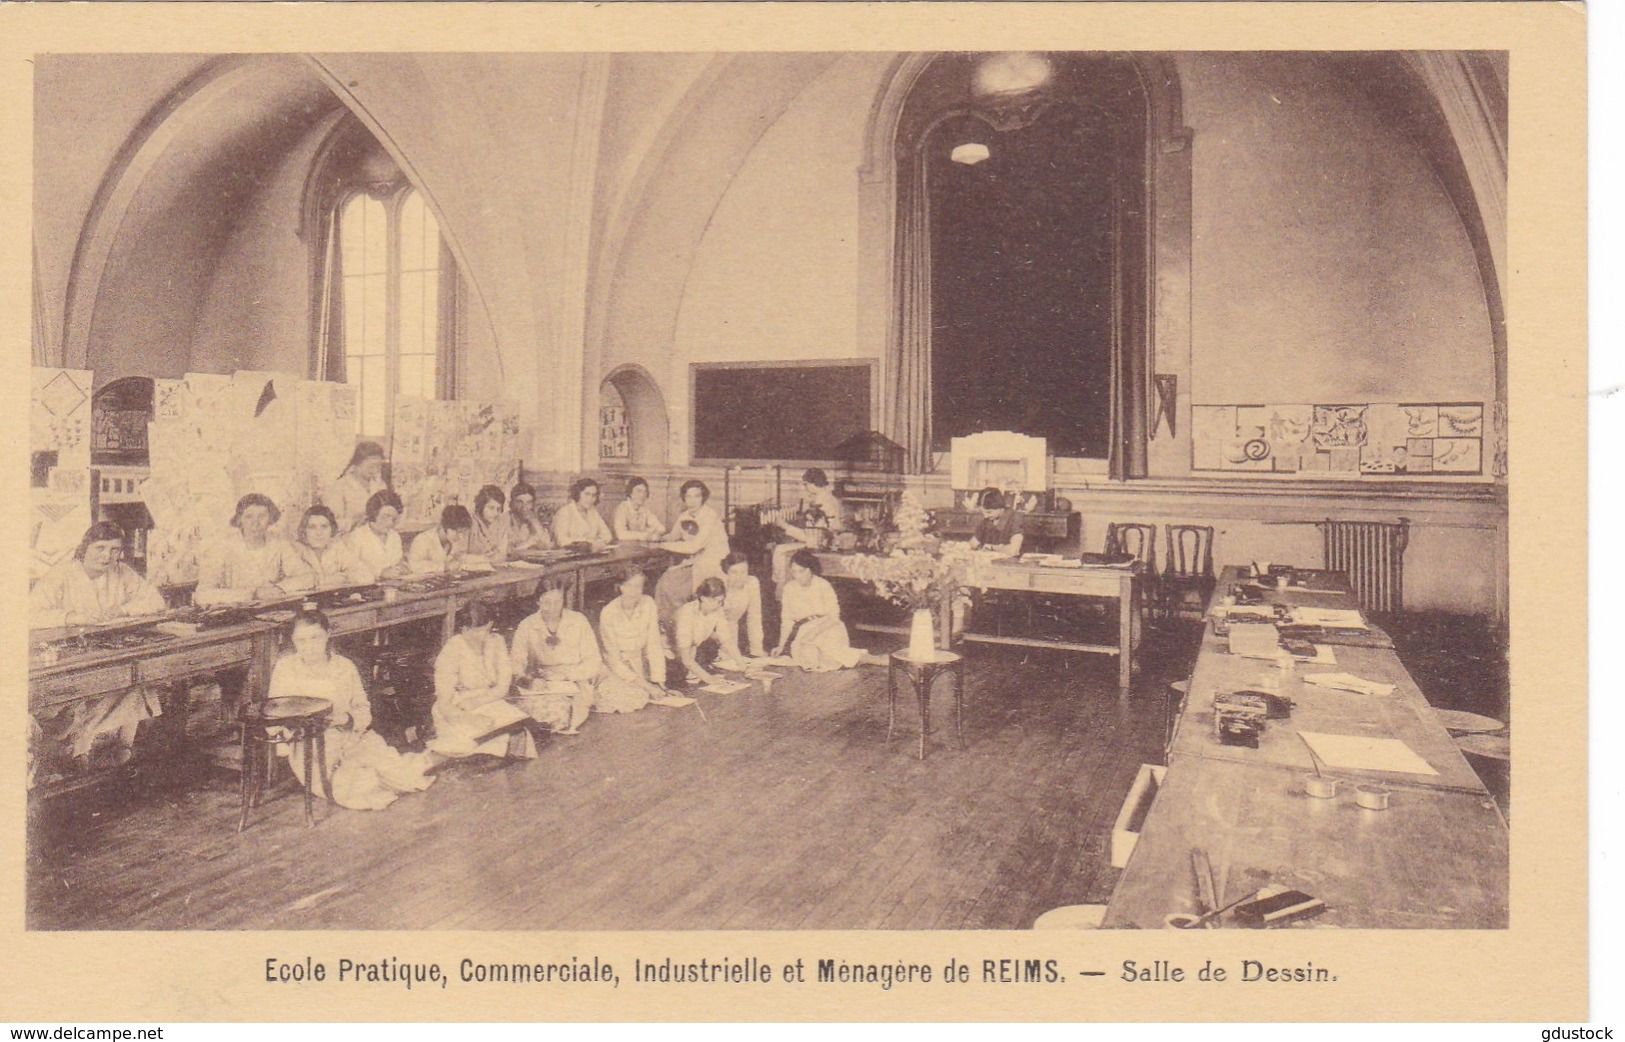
(1122, 585)
(251, 647)
(1437, 857)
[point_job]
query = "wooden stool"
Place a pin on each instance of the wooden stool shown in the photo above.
(1463, 722)
(923, 674)
(1071, 917)
(1489, 746)
(303, 720)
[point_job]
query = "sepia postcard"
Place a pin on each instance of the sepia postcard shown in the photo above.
(799, 512)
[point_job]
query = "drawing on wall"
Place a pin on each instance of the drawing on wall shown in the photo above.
(1344, 439)
(614, 438)
(444, 452)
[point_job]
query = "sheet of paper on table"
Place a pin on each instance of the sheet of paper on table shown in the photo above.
(1323, 656)
(1255, 640)
(1348, 682)
(1336, 618)
(1359, 753)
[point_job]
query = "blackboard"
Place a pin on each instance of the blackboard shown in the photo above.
(789, 412)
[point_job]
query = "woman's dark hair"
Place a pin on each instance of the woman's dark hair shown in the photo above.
(311, 617)
(456, 518)
(488, 494)
(317, 511)
(255, 499)
(991, 499)
(522, 489)
(815, 476)
(632, 483)
(473, 615)
(100, 532)
(736, 557)
(807, 559)
(381, 499)
(364, 450)
(628, 572)
(705, 490)
(580, 485)
(711, 587)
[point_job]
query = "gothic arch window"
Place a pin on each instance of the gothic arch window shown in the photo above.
(1023, 263)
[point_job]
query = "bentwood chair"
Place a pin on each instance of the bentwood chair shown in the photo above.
(1187, 569)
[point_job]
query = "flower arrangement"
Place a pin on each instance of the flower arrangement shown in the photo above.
(911, 579)
(913, 522)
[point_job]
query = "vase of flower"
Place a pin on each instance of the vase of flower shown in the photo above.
(922, 635)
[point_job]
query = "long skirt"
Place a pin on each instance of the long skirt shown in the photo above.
(457, 734)
(367, 773)
(560, 712)
(831, 648)
(619, 695)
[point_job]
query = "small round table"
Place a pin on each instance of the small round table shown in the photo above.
(923, 672)
(303, 720)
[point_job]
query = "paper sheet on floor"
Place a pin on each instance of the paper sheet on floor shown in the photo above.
(724, 687)
(673, 701)
(1359, 753)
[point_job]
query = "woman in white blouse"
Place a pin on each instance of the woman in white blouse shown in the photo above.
(361, 480)
(443, 547)
(472, 676)
(251, 564)
(634, 521)
(743, 601)
(488, 538)
(367, 773)
(327, 561)
(634, 652)
(556, 664)
(704, 636)
(579, 521)
(525, 529)
(813, 633)
(376, 542)
(699, 534)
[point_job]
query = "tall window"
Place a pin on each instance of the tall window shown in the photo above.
(394, 285)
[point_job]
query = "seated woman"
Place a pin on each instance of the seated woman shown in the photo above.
(704, 636)
(579, 521)
(362, 479)
(699, 534)
(472, 677)
(367, 773)
(819, 511)
(634, 521)
(525, 529)
(488, 538)
(634, 652)
(814, 635)
(742, 601)
(997, 529)
(92, 587)
(556, 664)
(443, 547)
(376, 542)
(325, 560)
(251, 564)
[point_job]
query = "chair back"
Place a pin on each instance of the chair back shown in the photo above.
(1133, 538)
(1190, 551)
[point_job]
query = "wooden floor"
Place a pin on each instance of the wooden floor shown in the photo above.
(781, 811)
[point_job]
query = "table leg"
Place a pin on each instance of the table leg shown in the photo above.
(891, 697)
(322, 769)
(248, 769)
(1126, 609)
(959, 703)
(922, 687)
(310, 778)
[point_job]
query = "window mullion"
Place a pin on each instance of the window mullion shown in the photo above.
(392, 309)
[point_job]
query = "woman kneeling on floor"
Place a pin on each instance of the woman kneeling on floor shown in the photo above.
(472, 676)
(704, 635)
(814, 635)
(367, 773)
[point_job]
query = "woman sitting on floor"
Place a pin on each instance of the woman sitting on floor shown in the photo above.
(743, 601)
(472, 677)
(556, 664)
(327, 560)
(250, 564)
(704, 636)
(634, 652)
(367, 773)
(814, 635)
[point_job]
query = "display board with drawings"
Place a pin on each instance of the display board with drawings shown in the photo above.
(215, 438)
(443, 452)
(59, 418)
(1431, 439)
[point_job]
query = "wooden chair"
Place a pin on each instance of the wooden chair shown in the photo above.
(1187, 568)
(1140, 540)
(304, 720)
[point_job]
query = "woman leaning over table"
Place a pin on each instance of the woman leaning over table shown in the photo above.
(634, 651)
(367, 773)
(635, 522)
(326, 560)
(250, 564)
(443, 547)
(814, 635)
(376, 542)
(472, 677)
(525, 529)
(488, 538)
(579, 521)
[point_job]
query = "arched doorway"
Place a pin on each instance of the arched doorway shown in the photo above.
(648, 431)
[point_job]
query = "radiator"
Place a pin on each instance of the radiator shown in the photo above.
(1372, 555)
